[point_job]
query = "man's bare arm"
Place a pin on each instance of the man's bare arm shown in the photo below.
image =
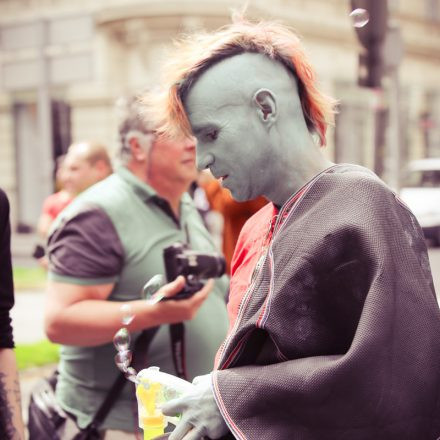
(11, 423)
(44, 223)
(81, 315)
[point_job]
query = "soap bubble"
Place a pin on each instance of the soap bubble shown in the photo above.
(121, 340)
(130, 374)
(127, 314)
(360, 17)
(123, 359)
(153, 285)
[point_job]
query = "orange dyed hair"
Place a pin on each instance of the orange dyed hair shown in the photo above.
(194, 54)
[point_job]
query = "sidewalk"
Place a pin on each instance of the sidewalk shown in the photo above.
(28, 316)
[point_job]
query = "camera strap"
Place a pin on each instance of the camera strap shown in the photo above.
(177, 336)
(140, 351)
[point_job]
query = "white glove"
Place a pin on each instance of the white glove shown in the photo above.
(200, 414)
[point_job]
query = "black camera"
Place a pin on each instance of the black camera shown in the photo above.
(179, 259)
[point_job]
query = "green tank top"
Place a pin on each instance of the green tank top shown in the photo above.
(144, 228)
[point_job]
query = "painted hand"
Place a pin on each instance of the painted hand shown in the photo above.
(200, 414)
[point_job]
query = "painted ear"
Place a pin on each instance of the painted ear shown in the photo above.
(266, 104)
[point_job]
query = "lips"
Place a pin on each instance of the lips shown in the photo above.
(189, 161)
(217, 175)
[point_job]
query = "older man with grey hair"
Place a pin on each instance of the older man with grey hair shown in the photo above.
(103, 249)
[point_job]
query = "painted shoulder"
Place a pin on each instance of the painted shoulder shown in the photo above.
(357, 178)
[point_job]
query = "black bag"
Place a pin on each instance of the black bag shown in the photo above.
(48, 421)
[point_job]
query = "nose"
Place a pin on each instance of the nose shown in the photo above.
(190, 143)
(204, 160)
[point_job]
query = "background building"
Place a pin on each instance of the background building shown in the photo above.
(63, 64)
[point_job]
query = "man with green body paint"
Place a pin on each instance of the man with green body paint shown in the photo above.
(334, 324)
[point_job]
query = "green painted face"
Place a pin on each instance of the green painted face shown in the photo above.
(246, 114)
(233, 139)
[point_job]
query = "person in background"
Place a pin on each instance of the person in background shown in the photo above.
(11, 423)
(234, 214)
(56, 202)
(102, 249)
(334, 322)
(84, 164)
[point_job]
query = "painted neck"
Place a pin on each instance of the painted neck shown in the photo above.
(294, 173)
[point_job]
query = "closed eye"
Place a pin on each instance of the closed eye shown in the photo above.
(212, 135)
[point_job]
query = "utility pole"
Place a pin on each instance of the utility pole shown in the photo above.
(44, 107)
(393, 53)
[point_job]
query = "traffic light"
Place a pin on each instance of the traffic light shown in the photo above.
(372, 36)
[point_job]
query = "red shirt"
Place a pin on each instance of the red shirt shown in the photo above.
(235, 214)
(252, 243)
(249, 248)
(55, 203)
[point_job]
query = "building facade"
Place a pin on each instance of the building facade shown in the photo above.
(63, 65)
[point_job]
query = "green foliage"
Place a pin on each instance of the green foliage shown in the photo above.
(29, 278)
(37, 354)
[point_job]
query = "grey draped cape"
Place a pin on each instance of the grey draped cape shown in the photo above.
(339, 336)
